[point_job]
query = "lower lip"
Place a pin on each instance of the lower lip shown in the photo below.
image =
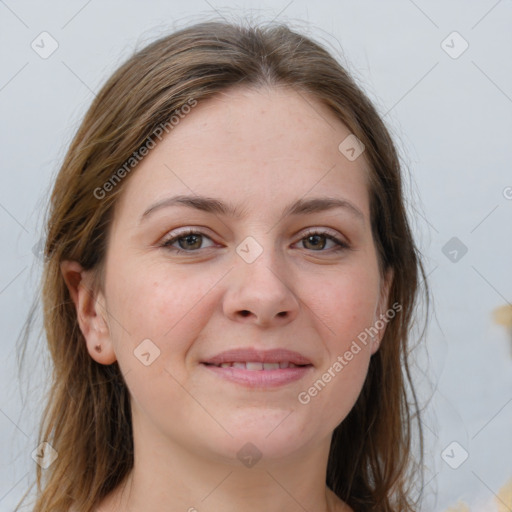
(260, 378)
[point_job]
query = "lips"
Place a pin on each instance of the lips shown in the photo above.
(255, 365)
(252, 359)
(259, 369)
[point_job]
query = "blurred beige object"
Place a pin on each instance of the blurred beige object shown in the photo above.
(460, 506)
(503, 316)
(502, 502)
(504, 497)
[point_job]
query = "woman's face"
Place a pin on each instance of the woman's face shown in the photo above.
(250, 277)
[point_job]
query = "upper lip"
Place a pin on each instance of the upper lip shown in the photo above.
(242, 355)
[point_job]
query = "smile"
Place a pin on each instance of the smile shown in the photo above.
(258, 375)
(256, 366)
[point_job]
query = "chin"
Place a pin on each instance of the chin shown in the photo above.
(263, 438)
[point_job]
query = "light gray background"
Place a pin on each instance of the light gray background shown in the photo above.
(451, 117)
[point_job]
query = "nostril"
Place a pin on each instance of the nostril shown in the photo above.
(245, 312)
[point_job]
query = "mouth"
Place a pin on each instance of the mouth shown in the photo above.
(257, 366)
(259, 369)
(254, 359)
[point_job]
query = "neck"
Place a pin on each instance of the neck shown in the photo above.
(169, 477)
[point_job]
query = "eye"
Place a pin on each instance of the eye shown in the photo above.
(189, 241)
(317, 239)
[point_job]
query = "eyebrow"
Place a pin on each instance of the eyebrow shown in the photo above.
(215, 206)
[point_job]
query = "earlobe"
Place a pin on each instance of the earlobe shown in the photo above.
(90, 310)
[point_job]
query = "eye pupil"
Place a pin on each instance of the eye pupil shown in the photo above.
(316, 238)
(188, 239)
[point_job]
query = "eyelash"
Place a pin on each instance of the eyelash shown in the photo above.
(167, 244)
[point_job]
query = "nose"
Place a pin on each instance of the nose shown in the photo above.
(261, 292)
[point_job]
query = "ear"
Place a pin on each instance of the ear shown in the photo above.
(90, 311)
(381, 319)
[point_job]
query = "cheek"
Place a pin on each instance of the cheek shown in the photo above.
(343, 308)
(344, 304)
(168, 308)
(158, 316)
(343, 382)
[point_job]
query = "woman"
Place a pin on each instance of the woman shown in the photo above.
(229, 285)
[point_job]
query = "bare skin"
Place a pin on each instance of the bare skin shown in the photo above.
(114, 502)
(259, 151)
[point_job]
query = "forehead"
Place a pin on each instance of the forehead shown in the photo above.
(257, 148)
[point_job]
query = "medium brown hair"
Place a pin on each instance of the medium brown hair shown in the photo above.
(87, 417)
